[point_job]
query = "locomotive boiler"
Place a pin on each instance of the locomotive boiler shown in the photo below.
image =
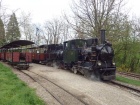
(90, 58)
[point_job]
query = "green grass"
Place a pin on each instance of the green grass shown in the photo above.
(127, 80)
(15, 92)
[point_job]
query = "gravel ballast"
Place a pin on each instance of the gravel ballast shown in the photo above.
(92, 92)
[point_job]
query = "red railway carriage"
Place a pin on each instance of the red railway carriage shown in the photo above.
(26, 55)
(3, 54)
(45, 54)
(38, 54)
(18, 56)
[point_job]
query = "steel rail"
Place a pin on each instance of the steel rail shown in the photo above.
(57, 86)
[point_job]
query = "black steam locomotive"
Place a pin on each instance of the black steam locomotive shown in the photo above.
(90, 58)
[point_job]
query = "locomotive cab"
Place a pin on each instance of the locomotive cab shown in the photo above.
(72, 52)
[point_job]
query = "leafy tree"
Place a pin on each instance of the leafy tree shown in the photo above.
(2, 33)
(13, 32)
(127, 53)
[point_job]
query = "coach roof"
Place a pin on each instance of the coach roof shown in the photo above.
(17, 43)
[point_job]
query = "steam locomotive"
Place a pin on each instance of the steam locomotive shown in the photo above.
(91, 59)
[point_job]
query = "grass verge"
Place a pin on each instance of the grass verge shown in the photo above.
(127, 80)
(15, 92)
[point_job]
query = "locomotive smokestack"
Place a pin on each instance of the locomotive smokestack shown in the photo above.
(102, 36)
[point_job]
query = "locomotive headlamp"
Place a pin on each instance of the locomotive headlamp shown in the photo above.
(99, 63)
(113, 63)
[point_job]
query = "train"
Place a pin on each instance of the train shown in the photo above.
(89, 57)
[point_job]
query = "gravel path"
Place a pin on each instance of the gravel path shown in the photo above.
(60, 95)
(91, 92)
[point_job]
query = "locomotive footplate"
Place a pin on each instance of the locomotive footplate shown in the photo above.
(108, 73)
(108, 69)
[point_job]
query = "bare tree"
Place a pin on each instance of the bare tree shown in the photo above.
(26, 26)
(56, 31)
(4, 15)
(38, 34)
(91, 16)
(135, 28)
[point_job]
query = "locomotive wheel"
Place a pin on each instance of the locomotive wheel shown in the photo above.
(74, 70)
(87, 74)
(55, 65)
(61, 66)
(97, 74)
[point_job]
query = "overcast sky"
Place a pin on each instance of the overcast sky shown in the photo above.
(40, 10)
(43, 10)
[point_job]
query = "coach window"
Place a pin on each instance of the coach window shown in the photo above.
(66, 45)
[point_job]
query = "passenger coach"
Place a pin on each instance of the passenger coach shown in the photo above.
(17, 54)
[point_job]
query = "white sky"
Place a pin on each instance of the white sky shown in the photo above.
(43, 10)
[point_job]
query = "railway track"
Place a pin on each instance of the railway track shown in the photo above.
(134, 75)
(136, 91)
(63, 96)
(124, 85)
